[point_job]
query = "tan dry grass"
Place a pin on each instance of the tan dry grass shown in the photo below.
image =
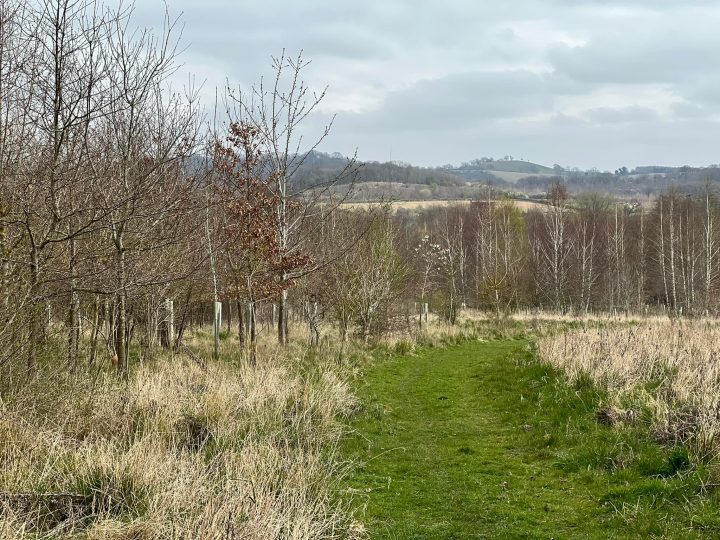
(182, 453)
(671, 369)
(529, 315)
(524, 206)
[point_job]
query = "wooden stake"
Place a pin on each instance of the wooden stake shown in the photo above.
(170, 314)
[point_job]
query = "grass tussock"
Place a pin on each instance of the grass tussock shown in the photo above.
(177, 452)
(667, 373)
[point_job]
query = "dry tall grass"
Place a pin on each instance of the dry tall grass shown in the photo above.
(669, 370)
(225, 450)
(178, 452)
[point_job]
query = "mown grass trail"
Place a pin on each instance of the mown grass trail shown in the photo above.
(481, 441)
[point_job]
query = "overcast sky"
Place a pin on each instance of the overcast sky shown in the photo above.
(587, 83)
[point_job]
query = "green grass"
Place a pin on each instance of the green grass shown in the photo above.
(480, 440)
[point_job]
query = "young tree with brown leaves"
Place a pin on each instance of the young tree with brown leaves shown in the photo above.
(277, 114)
(253, 250)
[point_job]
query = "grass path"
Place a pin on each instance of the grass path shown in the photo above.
(480, 441)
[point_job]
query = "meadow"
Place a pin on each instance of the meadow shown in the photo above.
(665, 373)
(180, 450)
(541, 426)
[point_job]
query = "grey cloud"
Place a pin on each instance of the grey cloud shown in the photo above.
(623, 60)
(625, 115)
(670, 44)
(462, 100)
(487, 75)
(703, 90)
(686, 109)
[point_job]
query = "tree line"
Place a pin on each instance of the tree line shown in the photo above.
(588, 253)
(648, 181)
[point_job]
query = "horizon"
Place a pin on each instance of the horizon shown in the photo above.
(542, 164)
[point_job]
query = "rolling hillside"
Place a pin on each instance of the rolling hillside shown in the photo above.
(479, 170)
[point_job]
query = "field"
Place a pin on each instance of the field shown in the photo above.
(667, 371)
(524, 206)
(543, 426)
(182, 450)
(513, 177)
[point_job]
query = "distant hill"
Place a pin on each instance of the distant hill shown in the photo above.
(319, 168)
(507, 170)
(402, 181)
(514, 166)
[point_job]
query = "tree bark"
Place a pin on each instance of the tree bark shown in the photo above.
(121, 339)
(282, 326)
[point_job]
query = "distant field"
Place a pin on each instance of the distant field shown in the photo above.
(525, 206)
(519, 166)
(513, 177)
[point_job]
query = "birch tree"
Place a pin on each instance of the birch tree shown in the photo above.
(555, 246)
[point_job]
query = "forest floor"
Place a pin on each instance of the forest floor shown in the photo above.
(481, 440)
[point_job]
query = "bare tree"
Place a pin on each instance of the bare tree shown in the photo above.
(148, 135)
(378, 277)
(556, 248)
(711, 247)
(429, 256)
(278, 112)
